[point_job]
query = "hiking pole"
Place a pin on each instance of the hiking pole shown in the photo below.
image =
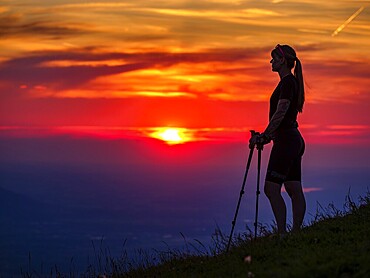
(259, 148)
(251, 147)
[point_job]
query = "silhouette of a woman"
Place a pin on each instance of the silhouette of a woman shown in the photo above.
(284, 165)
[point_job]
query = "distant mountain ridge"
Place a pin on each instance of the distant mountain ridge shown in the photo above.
(16, 206)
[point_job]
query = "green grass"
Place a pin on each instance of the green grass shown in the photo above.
(336, 244)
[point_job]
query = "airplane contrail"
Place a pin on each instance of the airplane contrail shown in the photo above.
(351, 18)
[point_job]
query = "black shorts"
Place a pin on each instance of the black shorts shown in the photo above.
(286, 157)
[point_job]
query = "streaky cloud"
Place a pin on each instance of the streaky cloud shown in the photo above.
(313, 31)
(14, 26)
(42, 68)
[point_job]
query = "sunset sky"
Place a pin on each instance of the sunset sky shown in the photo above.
(137, 115)
(125, 68)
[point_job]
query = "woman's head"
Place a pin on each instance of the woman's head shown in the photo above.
(288, 56)
(285, 52)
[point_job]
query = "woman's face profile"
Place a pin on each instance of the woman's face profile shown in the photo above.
(276, 62)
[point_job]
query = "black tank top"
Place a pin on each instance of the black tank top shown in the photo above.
(286, 89)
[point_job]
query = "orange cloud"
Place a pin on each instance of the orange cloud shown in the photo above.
(224, 74)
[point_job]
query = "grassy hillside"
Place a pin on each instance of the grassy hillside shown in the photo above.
(337, 244)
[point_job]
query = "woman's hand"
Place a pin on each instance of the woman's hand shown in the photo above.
(253, 140)
(264, 139)
(259, 139)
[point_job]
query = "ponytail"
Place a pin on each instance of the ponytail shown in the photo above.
(298, 74)
(287, 52)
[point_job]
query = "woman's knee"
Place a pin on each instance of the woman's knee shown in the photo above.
(272, 189)
(293, 188)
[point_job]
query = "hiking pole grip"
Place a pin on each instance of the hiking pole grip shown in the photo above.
(253, 133)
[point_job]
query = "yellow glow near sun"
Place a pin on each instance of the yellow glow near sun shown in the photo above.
(171, 135)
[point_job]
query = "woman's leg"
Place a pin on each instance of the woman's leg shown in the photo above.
(273, 193)
(295, 191)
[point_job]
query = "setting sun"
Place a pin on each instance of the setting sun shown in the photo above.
(172, 135)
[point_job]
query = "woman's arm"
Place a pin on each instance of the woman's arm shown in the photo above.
(277, 118)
